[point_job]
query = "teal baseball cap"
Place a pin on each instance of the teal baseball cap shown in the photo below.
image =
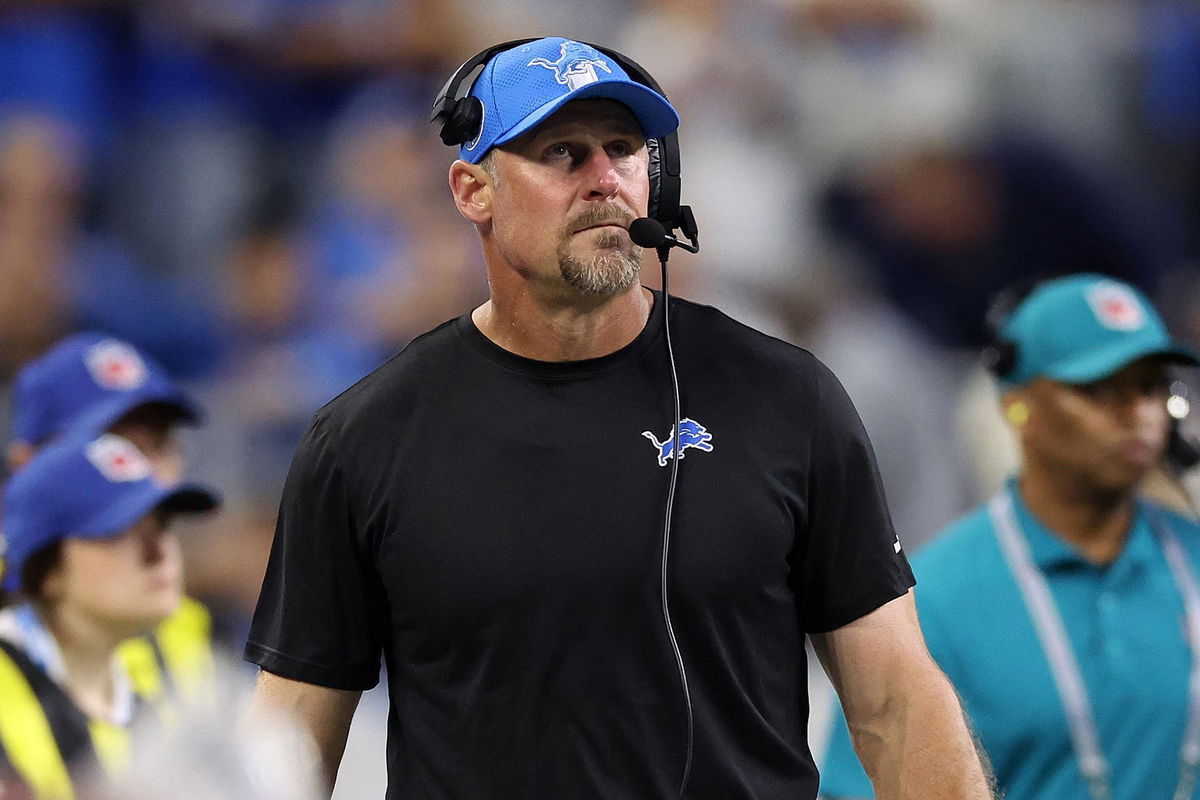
(1083, 328)
(522, 87)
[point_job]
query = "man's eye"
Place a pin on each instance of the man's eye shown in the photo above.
(558, 151)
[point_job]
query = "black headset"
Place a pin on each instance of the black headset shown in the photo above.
(1000, 354)
(460, 116)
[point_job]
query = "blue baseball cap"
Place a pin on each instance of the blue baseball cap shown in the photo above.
(88, 488)
(1083, 328)
(520, 88)
(87, 382)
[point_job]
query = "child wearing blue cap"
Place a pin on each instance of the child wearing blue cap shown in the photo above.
(90, 563)
(1066, 610)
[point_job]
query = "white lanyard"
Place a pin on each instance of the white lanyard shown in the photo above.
(1065, 669)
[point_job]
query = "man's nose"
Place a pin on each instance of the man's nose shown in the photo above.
(602, 179)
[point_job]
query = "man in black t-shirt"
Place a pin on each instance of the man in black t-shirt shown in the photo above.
(486, 512)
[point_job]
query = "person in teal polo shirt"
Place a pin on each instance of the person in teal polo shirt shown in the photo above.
(1061, 609)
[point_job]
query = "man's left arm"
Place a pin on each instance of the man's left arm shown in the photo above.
(904, 716)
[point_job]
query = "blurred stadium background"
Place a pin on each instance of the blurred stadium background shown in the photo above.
(250, 191)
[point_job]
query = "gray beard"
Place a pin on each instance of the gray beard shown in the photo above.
(604, 275)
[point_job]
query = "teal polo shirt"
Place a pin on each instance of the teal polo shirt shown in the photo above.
(1126, 625)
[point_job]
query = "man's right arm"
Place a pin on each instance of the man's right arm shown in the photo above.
(904, 717)
(321, 712)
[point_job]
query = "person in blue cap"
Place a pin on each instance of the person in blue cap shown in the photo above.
(572, 600)
(91, 562)
(92, 383)
(1066, 609)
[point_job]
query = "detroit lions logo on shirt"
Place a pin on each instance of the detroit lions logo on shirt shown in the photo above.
(691, 434)
(575, 66)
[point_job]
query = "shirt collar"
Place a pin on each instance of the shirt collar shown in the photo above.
(1050, 552)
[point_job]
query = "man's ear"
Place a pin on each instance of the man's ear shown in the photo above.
(1016, 404)
(472, 190)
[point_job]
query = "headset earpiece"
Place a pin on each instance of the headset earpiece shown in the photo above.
(462, 122)
(1000, 357)
(1000, 354)
(653, 148)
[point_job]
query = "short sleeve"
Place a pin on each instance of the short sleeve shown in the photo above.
(842, 775)
(318, 616)
(850, 559)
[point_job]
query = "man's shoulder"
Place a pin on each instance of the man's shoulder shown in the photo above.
(385, 387)
(708, 326)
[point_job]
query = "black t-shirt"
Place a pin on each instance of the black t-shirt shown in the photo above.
(493, 526)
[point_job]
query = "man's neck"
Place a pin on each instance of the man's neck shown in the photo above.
(1095, 521)
(564, 331)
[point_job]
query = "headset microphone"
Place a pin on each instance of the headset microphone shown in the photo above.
(649, 232)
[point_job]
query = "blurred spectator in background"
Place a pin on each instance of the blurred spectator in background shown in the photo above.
(943, 228)
(91, 384)
(90, 563)
(57, 275)
(739, 167)
(318, 300)
(232, 95)
(1065, 610)
(66, 61)
(36, 187)
(1171, 104)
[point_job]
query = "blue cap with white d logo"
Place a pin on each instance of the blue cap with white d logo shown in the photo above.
(520, 88)
(1083, 328)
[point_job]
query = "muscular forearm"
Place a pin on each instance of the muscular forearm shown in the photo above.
(904, 716)
(918, 747)
(321, 714)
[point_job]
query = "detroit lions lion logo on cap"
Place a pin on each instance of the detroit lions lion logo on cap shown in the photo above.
(575, 66)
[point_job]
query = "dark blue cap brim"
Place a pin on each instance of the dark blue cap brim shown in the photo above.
(104, 415)
(654, 114)
(182, 499)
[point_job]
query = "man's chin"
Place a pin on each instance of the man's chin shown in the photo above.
(603, 275)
